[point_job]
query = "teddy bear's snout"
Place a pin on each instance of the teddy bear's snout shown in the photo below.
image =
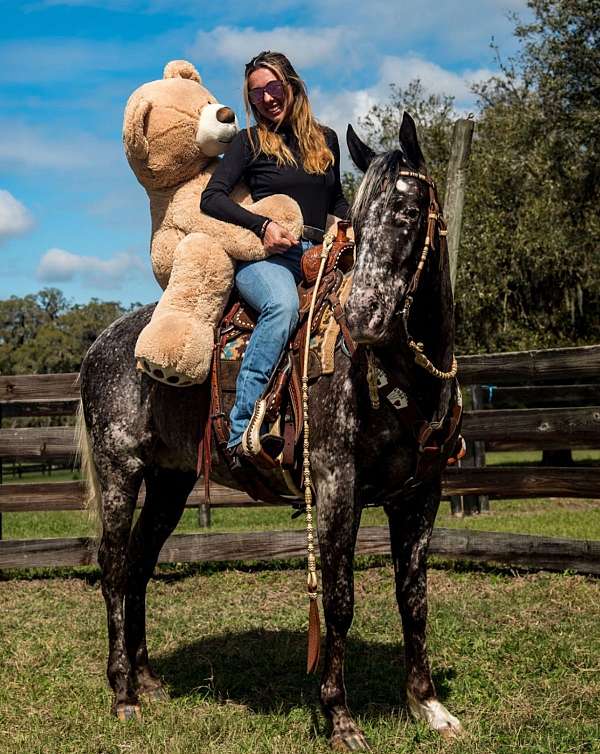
(225, 115)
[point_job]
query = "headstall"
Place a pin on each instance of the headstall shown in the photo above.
(436, 228)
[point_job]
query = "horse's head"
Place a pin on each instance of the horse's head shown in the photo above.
(389, 216)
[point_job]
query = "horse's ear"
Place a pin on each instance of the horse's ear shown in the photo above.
(410, 143)
(361, 154)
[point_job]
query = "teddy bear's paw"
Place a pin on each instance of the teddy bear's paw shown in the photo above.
(176, 349)
(167, 375)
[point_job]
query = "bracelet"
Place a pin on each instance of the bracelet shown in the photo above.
(263, 230)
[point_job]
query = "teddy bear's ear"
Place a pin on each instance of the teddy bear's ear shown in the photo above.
(182, 69)
(134, 138)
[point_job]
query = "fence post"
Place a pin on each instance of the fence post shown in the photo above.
(204, 516)
(456, 179)
(1, 476)
(475, 458)
(454, 200)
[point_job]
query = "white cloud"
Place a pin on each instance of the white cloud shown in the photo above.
(343, 107)
(435, 78)
(306, 47)
(15, 218)
(59, 266)
(454, 30)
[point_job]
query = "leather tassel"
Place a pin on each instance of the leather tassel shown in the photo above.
(314, 638)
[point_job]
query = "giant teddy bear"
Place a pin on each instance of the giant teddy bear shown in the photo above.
(173, 130)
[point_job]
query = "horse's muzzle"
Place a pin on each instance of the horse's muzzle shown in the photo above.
(366, 316)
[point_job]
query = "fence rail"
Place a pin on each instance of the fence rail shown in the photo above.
(523, 482)
(517, 549)
(513, 367)
(530, 366)
(562, 424)
(543, 427)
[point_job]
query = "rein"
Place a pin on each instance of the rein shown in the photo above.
(436, 229)
(314, 628)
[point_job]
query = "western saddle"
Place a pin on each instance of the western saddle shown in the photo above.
(280, 408)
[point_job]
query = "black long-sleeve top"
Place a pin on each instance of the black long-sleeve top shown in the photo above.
(317, 195)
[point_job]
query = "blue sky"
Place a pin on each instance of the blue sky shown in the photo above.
(72, 214)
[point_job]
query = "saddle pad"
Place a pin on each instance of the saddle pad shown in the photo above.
(322, 343)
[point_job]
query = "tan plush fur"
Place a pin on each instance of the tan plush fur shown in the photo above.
(172, 136)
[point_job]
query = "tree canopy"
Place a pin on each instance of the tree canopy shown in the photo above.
(43, 333)
(530, 247)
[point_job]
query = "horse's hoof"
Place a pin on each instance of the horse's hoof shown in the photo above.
(352, 740)
(158, 694)
(436, 716)
(128, 712)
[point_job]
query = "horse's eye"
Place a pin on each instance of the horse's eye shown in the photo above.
(412, 213)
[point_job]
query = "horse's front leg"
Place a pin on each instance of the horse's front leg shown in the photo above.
(338, 518)
(411, 525)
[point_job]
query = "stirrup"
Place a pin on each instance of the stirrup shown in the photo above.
(459, 452)
(263, 451)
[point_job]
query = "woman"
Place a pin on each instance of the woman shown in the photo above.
(286, 152)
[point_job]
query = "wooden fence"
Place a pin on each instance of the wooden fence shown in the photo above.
(512, 377)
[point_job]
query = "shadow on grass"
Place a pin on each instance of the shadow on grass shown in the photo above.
(265, 671)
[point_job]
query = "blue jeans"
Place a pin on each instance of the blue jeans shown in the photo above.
(269, 286)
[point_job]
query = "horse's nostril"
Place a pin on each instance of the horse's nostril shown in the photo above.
(225, 115)
(373, 307)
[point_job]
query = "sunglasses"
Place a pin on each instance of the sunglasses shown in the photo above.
(275, 89)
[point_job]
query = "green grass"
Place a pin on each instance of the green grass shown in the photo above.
(533, 457)
(58, 475)
(576, 519)
(515, 657)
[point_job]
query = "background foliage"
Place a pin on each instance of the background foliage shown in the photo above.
(530, 247)
(44, 333)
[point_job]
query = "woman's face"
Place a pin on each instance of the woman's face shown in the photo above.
(276, 101)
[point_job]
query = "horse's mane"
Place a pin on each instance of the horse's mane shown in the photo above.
(379, 181)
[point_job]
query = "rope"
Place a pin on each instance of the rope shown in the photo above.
(314, 639)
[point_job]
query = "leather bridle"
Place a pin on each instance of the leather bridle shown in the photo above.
(436, 237)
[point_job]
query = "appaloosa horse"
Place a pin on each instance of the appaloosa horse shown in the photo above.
(138, 429)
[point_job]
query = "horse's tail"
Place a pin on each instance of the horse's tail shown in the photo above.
(92, 500)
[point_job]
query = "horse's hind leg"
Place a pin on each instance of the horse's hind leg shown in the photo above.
(410, 530)
(338, 527)
(166, 494)
(119, 490)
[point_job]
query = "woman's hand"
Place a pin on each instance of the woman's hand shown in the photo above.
(277, 240)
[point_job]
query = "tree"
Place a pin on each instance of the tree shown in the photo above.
(43, 333)
(434, 116)
(530, 247)
(528, 266)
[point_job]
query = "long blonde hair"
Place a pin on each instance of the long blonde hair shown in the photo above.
(315, 154)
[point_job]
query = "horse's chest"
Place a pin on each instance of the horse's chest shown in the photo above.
(379, 446)
(386, 452)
